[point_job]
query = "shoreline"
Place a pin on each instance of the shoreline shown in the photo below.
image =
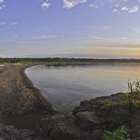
(27, 99)
(29, 115)
(21, 104)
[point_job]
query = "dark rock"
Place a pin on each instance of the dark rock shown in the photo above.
(9, 132)
(136, 138)
(134, 126)
(88, 120)
(61, 127)
(109, 113)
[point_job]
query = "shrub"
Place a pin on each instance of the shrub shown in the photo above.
(119, 134)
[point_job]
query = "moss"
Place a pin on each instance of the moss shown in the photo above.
(93, 100)
(136, 103)
(119, 134)
(108, 104)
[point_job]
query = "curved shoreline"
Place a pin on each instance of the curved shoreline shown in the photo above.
(20, 101)
(30, 85)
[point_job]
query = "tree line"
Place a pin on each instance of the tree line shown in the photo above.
(66, 60)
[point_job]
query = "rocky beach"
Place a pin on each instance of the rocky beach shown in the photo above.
(25, 114)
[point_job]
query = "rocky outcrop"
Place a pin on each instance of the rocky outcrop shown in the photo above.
(62, 127)
(110, 113)
(88, 121)
(93, 117)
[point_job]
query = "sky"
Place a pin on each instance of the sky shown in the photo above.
(70, 28)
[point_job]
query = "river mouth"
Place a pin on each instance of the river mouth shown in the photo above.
(66, 86)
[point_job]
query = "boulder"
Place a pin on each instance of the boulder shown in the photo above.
(88, 120)
(60, 127)
(10, 132)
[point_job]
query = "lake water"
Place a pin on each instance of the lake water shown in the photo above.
(66, 86)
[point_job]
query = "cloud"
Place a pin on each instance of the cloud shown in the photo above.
(123, 6)
(97, 37)
(68, 4)
(45, 5)
(13, 23)
(96, 5)
(48, 36)
(91, 5)
(125, 9)
(116, 11)
(135, 30)
(42, 37)
(117, 1)
(2, 23)
(1, 1)
(134, 9)
(2, 6)
(8, 24)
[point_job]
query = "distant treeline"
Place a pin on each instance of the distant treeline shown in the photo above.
(64, 60)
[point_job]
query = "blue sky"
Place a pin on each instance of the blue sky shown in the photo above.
(70, 28)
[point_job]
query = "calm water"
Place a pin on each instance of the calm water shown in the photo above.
(66, 86)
